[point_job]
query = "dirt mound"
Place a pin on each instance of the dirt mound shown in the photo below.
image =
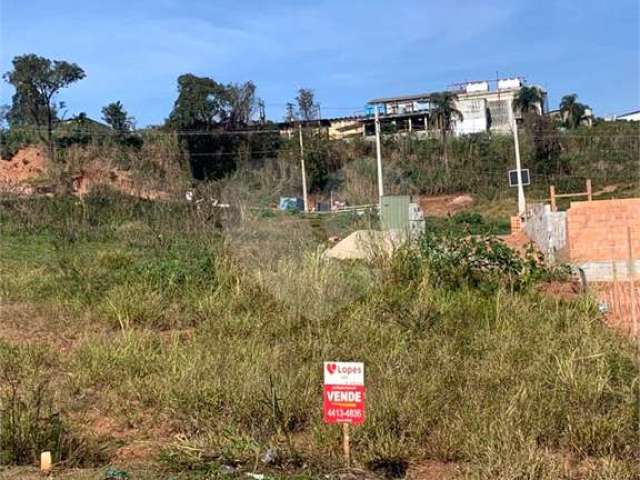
(365, 245)
(30, 164)
(444, 205)
(27, 164)
(119, 179)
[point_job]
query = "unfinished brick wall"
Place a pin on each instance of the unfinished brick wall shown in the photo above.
(597, 231)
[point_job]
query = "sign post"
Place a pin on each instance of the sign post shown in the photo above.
(343, 398)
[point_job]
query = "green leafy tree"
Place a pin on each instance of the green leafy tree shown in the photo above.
(445, 112)
(572, 111)
(529, 99)
(205, 105)
(200, 104)
(37, 81)
(115, 115)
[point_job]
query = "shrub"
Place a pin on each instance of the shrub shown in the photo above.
(29, 420)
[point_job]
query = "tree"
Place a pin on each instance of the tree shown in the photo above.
(240, 103)
(117, 117)
(307, 108)
(37, 81)
(290, 114)
(572, 111)
(208, 107)
(529, 99)
(444, 111)
(200, 104)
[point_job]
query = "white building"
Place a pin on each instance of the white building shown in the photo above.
(629, 116)
(482, 108)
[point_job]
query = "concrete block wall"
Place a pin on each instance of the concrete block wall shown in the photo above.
(546, 229)
(597, 230)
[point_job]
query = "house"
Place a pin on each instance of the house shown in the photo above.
(627, 117)
(482, 108)
(338, 128)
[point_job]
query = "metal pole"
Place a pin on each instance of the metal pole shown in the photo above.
(514, 129)
(304, 172)
(378, 156)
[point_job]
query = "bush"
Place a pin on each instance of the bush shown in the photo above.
(29, 421)
(483, 262)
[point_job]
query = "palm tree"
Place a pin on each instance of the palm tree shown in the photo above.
(572, 111)
(529, 99)
(444, 111)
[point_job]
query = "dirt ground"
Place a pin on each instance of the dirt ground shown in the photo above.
(445, 205)
(620, 304)
(30, 165)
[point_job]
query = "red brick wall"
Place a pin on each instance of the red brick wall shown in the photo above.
(597, 231)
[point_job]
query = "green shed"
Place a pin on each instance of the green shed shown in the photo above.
(395, 212)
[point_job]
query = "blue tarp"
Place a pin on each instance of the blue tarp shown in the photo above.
(291, 203)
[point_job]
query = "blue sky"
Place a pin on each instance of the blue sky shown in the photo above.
(346, 51)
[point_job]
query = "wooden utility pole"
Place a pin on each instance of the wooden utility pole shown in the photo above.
(304, 172)
(378, 156)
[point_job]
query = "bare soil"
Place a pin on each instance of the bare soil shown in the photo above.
(30, 164)
(445, 205)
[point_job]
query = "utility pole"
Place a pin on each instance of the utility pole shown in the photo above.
(378, 156)
(304, 172)
(516, 145)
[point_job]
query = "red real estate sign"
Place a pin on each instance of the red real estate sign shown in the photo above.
(344, 392)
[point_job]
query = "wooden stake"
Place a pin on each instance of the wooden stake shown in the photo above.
(45, 462)
(346, 443)
(589, 196)
(632, 285)
(631, 273)
(552, 195)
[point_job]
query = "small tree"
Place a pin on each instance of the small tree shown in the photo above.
(572, 111)
(115, 115)
(37, 81)
(241, 102)
(445, 112)
(529, 100)
(290, 113)
(307, 108)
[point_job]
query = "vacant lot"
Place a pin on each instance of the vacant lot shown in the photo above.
(172, 341)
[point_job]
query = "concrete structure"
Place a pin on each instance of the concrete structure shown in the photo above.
(345, 127)
(597, 237)
(591, 235)
(482, 109)
(335, 128)
(547, 229)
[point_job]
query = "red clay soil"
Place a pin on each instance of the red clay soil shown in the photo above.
(560, 290)
(620, 300)
(27, 164)
(518, 241)
(30, 163)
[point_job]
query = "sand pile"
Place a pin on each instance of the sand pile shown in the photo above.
(365, 245)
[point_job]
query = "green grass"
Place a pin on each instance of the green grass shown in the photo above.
(215, 337)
